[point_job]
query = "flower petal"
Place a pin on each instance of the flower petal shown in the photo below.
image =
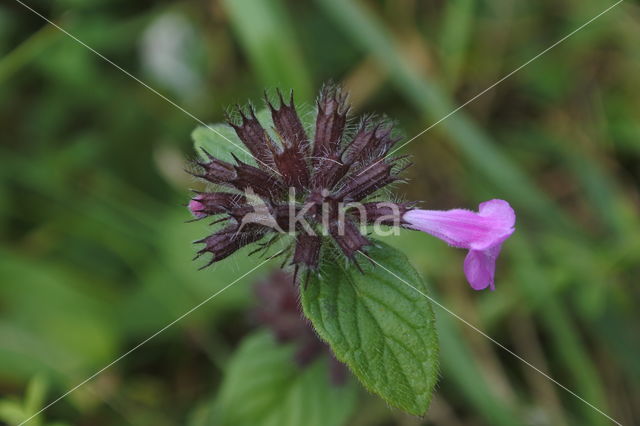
(482, 233)
(196, 207)
(480, 267)
(464, 228)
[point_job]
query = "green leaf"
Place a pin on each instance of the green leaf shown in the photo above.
(383, 329)
(264, 387)
(221, 141)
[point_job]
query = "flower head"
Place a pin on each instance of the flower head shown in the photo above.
(481, 233)
(319, 184)
(300, 181)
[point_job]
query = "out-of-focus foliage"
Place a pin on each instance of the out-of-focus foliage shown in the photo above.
(15, 411)
(263, 386)
(95, 255)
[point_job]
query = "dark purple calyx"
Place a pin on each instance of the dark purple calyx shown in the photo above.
(301, 181)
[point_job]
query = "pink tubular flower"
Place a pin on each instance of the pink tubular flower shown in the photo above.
(196, 207)
(481, 233)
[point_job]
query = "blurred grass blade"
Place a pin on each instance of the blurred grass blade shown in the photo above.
(27, 51)
(459, 366)
(35, 396)
(605, 194)
(454, 37)
(267, 36)
(565, 337)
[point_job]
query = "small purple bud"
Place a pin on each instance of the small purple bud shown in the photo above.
(196, 207)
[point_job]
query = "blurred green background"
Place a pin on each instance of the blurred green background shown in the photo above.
(95, 255)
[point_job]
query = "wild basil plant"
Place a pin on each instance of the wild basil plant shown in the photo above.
(320, 188)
